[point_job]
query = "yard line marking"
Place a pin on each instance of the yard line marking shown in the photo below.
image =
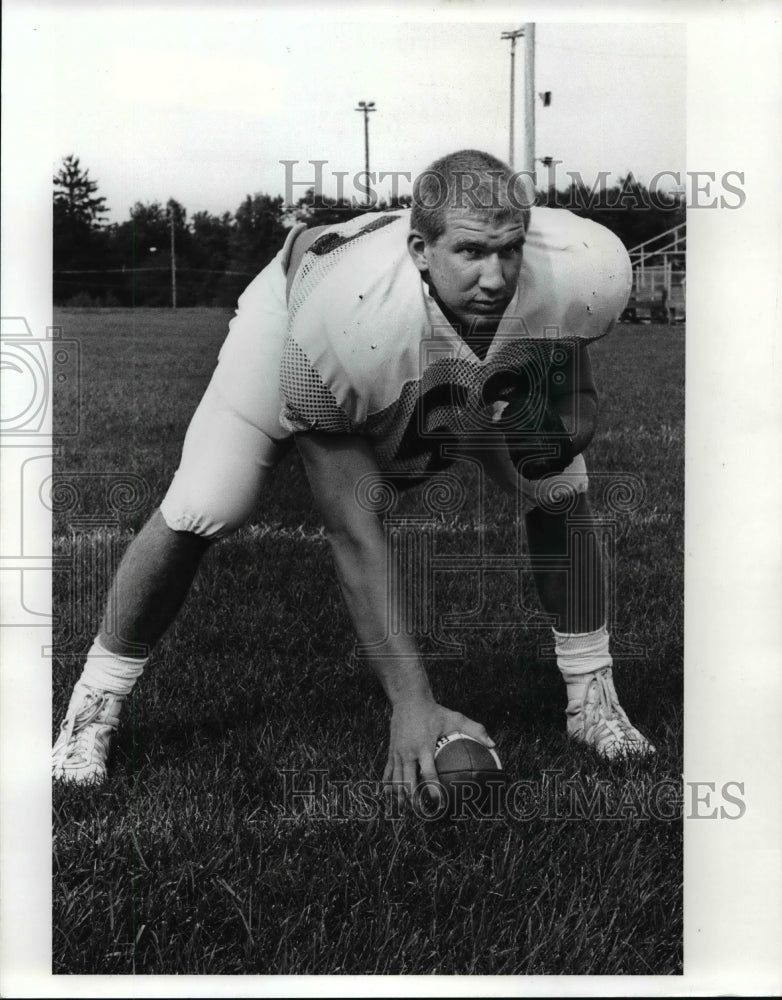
(253, 532)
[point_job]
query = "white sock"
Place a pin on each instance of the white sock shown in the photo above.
(579, 654)
(108, 672)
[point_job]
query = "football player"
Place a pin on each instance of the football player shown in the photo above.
(389, 347)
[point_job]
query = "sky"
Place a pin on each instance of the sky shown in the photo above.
(201, 104)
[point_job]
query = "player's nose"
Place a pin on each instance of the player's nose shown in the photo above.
(492, 278)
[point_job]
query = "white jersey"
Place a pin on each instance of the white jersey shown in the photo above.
(370, 352)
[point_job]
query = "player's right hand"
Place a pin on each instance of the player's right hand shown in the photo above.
(542, 451)
(415, 728)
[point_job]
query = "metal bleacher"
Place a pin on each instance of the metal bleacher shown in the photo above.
(659, 279)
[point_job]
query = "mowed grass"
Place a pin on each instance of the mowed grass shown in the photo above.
(197, 858)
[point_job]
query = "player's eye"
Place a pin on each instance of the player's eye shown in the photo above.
(470, 253)
(513, 249)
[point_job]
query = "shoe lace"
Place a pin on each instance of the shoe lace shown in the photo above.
(76, 722)
(605, 713)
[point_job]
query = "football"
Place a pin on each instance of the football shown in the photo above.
(471, 775)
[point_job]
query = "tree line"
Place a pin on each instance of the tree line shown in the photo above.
(97, 263)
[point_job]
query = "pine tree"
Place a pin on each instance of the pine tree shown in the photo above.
(74, 196)
(80, 236)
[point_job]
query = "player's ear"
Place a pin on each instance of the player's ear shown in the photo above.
(417, 248)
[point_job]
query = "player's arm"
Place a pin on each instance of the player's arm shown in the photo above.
(574, 398)
(335, 464)
(567, 423)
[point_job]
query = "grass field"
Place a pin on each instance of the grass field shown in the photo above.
(197, 858)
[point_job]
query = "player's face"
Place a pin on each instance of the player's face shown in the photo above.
(473, 267)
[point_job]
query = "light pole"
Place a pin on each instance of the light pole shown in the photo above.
(366, 107)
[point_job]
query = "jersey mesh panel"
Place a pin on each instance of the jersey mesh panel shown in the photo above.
(454, 401)
(307, 402)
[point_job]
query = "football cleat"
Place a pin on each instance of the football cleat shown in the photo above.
(82, 747)
(599, 721)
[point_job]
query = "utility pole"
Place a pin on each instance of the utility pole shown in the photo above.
(529, 98)
(512, 36)
(366, 107)
(528, 34)
(173, 255)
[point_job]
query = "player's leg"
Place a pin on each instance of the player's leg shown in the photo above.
(151, 584)
(225, 463)
(575, 593)
(568, 573)
(575, 596)
(233, 440)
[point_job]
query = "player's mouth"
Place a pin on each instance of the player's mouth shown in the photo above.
(489, 308)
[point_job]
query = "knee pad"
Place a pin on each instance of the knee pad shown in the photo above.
(224, 465)
(210, 513)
